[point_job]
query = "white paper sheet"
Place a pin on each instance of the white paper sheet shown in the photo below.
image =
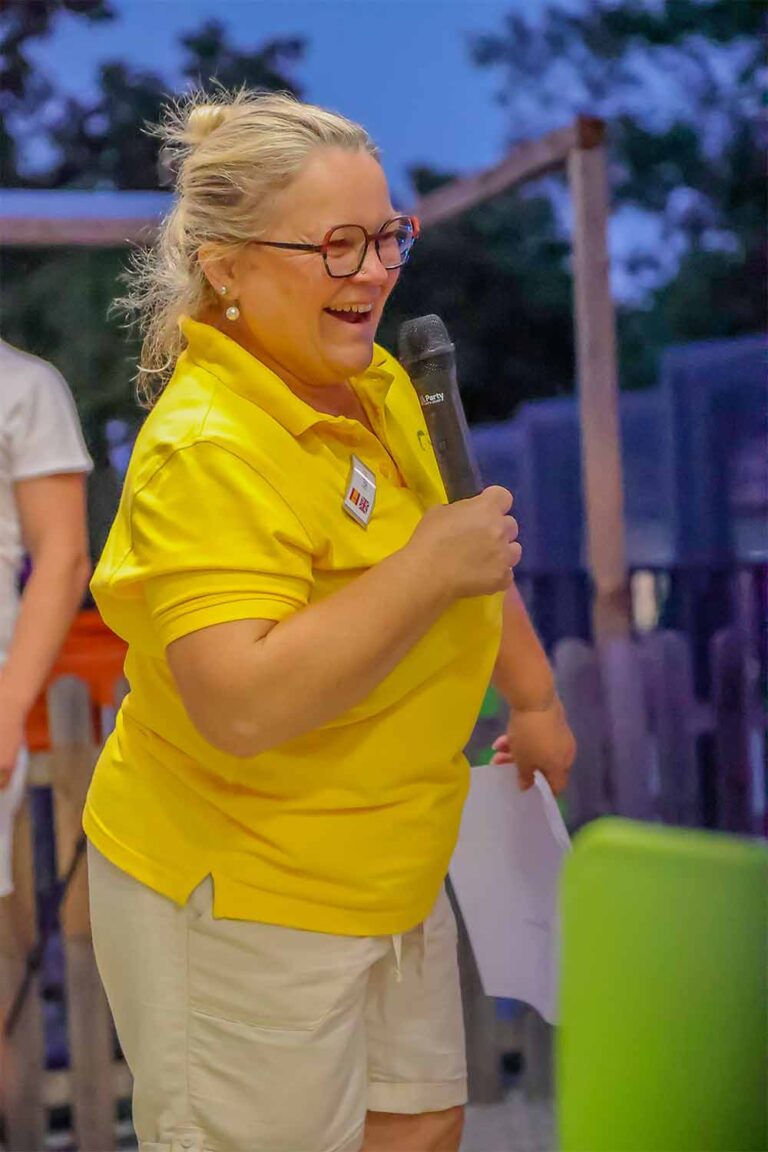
(505, 874)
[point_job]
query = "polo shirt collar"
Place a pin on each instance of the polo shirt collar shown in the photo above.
(241, 372)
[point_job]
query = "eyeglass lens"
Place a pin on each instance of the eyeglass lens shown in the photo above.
(346, 245)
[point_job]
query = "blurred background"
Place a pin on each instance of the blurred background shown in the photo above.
(447, 89)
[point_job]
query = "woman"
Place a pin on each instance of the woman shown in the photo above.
(311, 631)
(43, 465)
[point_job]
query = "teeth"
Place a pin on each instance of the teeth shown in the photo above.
(354, 308)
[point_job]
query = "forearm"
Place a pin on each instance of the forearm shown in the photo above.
(522, 674)
(51, 597)
(316, 665)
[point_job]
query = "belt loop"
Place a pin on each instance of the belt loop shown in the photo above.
(397, 944)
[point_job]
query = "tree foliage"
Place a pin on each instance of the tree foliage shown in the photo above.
(498, 277)
(680, 86)
(56, 302)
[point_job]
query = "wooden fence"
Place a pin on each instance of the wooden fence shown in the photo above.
(640, 730)
(95, 1080)
(649, 749)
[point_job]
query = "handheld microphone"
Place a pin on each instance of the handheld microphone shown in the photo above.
(427, 354)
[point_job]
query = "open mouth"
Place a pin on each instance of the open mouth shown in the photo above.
(356, 314)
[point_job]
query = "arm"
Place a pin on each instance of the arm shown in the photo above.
(52, 516)
(538, 736)
(251, 685)
(522, 674)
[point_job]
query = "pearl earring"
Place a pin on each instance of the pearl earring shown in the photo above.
(233, 312)
(223, 289)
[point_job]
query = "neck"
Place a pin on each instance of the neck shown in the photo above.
(334, 399)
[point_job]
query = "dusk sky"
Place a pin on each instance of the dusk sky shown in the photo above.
(401, 67)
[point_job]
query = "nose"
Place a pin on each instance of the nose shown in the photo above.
(372, 271)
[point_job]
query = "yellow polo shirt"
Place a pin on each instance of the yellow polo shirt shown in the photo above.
(232, 509)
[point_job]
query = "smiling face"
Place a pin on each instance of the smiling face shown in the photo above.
(293, 316)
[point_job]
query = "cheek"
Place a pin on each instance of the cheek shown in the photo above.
(392, 282)
(283, 303)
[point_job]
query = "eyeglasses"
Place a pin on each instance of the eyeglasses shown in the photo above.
(345, 247)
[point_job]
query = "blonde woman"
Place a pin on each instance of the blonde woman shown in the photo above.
(311, 630)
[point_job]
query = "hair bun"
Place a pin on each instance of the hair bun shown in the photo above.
(203, 120)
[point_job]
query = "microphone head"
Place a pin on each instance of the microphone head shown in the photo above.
(421, 338)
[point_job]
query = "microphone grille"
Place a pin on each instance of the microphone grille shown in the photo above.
(422, 337)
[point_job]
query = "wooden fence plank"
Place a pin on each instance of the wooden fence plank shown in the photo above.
(739, 733)
(674, 719)
(628, 728)
(577, 671)
(22, 1057)
(70, 723)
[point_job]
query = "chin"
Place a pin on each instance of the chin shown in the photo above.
(353, 361)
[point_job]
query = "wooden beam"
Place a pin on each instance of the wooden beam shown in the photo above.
(598, 393)
(44, 232)
(525, 162)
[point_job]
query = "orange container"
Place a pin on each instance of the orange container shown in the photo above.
(95, 655)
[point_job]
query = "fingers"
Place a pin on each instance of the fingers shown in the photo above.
(557, 781)
(499, 497)
(525, 777)
(502, 750)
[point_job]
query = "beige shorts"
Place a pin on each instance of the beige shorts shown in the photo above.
(248, 1037)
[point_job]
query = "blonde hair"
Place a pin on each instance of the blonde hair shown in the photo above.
(230, 154)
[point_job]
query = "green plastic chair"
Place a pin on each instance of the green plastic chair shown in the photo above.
(663, 1044)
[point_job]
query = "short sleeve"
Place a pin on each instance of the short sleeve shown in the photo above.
(44, 435)
(214, 542)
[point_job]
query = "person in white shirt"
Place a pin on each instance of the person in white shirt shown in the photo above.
(43, 465)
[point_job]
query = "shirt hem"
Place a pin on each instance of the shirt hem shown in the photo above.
(237, 901)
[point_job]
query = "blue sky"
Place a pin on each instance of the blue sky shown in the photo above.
(401, 67)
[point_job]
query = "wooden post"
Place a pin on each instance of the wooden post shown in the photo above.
(598, 389)
(89, 1021)
(22, 1057)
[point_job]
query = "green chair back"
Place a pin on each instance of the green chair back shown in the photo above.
(664, 993)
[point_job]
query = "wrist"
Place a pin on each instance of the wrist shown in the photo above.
(543, 704)
(425, 572)
(535, 696)
(11, 699)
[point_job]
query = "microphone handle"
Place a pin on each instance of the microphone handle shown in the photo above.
(448, 431)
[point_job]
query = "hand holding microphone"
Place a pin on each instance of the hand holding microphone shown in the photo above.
(473, 540)
(472, 544)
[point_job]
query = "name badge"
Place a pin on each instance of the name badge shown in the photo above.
(361, 492)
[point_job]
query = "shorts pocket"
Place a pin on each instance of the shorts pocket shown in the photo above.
(271, 977)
